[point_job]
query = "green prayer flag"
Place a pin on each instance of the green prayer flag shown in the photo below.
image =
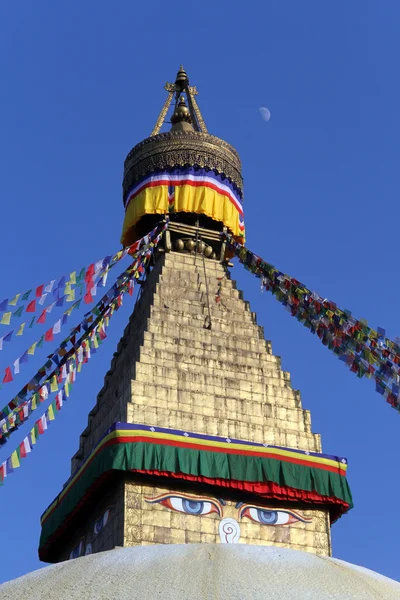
(81, 276)
(26, 295)
(18, 312)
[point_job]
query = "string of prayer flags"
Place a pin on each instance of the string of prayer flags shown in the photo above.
(367, 352)
(63, 288)
(73, 366)
(95, 275)
(78, 355)
(12, 415)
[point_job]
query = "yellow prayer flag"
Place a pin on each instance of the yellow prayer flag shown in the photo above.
(6, 318)
(21, 329)
(14, 459)
(33, 436)
(68, 288)
(70, 295)
(66, 388)
(31, 350)
(34, 402)
(14, 301)
(50, 413)
(80, 367)
(53, 384)
(72, 278)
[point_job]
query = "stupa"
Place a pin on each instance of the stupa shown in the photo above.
(197, 437)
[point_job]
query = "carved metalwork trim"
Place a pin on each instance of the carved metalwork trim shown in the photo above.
(172, 149)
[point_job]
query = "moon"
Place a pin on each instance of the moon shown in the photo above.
(264, 112)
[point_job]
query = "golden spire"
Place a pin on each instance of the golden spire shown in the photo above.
(181, 86)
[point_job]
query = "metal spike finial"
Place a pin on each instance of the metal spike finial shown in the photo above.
(181, 86)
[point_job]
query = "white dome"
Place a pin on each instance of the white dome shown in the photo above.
(197, 571)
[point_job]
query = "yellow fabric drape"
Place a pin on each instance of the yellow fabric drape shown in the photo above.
(197, 199)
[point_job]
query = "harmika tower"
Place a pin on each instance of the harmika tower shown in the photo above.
(197, 435)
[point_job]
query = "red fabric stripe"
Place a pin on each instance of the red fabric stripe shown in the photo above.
(212, 186)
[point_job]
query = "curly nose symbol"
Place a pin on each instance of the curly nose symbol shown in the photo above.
(229, 531)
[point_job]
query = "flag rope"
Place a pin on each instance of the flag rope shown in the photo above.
(367, 352)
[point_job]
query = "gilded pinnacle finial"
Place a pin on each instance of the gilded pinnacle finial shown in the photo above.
(181, 119)
(182, 80)
(175, 90)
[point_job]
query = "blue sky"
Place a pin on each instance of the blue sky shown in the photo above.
(81, 83)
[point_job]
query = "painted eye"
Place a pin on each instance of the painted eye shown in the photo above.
(77, 551)
(101, 522)
(190, 505)
(267, 516)
(88, 549)
(98, 526)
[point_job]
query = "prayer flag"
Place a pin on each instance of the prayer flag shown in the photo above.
(8, 336)
(25, 296)
(31, 350)
(14, 300)
(42, 424)
(18, 312)
(15, 460)
(57, 326)
(21, 329)
(6, 318)
(53, 384)
(39, 291)
(49, 286)
(70, 296)
(31, 306)
(50, 413)
(42, 299)
(42, 318)
(7, 376)
(16, 366)
(48, 336)
(3, 305)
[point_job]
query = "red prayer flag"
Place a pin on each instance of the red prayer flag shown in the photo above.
(39, 423)
(89, 272)
(31, 306)
(42, 318)
(88, 298)
(48, 336)
(8, 376)
(39, 291)
(22, 450)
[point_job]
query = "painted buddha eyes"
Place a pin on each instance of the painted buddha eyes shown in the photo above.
(267, 516)
(203, 505)
(101, 522)
(190, 505)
